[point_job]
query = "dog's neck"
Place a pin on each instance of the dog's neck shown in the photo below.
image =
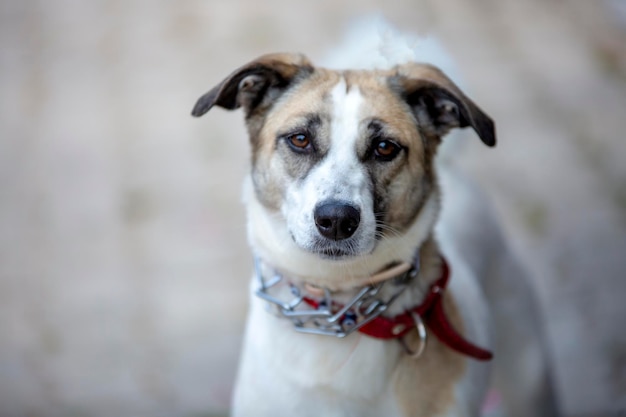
(428, 267)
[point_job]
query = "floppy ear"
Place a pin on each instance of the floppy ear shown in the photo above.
(439, 105)
(247, 86)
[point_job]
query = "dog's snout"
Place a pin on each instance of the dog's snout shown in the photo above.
(337, 220)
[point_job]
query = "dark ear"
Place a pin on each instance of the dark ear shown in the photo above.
(250, 84)
(439, 105)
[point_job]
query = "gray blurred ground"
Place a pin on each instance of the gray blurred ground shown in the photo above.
(123, 262)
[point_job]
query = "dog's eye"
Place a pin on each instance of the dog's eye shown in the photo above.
(386, 150)
(299, 142)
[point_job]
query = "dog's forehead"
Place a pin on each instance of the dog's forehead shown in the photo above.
(325, 90)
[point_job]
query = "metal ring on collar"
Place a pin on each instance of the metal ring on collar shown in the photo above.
(421, 332)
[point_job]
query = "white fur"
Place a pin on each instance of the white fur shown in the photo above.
(284, 373)
(338, 177)
(372, 43)
(272, 242)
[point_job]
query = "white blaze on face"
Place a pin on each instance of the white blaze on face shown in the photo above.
(339, 176)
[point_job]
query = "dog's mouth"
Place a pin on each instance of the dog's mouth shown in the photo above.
(332, 250)
(334, 253)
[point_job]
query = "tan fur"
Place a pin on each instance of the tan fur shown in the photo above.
(439, 368)
(436, 371)
(305, 99)
(383, 104)
(425, 387)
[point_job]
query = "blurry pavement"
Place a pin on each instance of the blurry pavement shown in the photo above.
(123, 261)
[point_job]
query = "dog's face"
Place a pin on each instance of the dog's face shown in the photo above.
(344, 160)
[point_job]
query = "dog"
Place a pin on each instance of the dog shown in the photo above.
(367, 299)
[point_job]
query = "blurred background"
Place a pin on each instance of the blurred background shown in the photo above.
(123, 260)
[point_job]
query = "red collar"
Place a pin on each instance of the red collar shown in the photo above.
(434, 316)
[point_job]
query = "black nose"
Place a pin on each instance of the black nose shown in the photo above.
(336, 220)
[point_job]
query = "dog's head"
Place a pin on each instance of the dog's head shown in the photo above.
(343, 161)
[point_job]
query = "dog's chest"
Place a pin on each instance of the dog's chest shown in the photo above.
(297, 374)
(356, 365)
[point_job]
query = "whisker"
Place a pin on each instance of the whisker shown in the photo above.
(382, 227)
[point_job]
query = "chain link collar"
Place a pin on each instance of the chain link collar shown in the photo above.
(327, 317)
